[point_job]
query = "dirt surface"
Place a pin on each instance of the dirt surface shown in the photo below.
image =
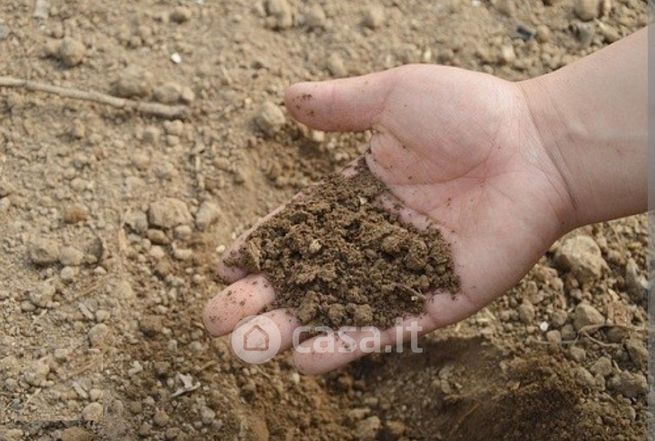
(111, 225)
(337, 257)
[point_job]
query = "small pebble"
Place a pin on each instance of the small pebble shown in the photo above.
(42, 295)
(336, 66)
(92, 412)
(75, 213)
(180, 14)
(43, 252)
(70, 256)
(71, 52)
(168, 213)
(36, 372)
(99, 335)
(373, 17)
(587, 10)
(586, 315)
(161, 418)
(270, 118)
(207, 214)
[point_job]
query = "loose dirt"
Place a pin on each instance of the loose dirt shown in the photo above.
(337, 257)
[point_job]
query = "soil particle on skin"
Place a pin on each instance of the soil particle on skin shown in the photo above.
(337, 257)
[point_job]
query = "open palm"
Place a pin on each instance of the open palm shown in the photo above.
(458, 149)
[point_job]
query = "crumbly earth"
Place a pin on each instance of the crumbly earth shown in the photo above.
(103, 337)
(336, 257)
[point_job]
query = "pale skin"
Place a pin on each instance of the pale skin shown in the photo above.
(503, 169)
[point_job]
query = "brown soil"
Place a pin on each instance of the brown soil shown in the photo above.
(110, 341)
(337, 257)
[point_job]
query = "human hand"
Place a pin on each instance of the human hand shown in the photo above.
(458, 147)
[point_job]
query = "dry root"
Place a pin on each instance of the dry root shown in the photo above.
(146, 108)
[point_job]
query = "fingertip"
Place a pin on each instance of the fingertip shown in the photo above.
(247, 296)
(213, 320)
(229, 274)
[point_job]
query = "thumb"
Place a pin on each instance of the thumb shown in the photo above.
(349, 104)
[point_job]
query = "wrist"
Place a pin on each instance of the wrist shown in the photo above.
(557, 134)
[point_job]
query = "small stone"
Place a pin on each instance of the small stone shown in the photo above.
(373, 17)
(41, 9)
(183, 232)
(76, 434)
(367, 429)
(151, 135)
(168, 213)
(526, 312)
(280, 13)
(99, 335)
(43, 252)
(585, 33)
(187, 95)
(151, 325)
(635, 284)
(102, 315)
(554, 337)
(558, 318)
(335, 65)
(580, 255)
(133, 82)
(180, 14)
(158, 237)
(75, 213)
(37, 372)
(602, 366)
(4, 32)
(577, 353)
(71, 52)
(207, 214)
(161, 418)
(183, 254)
(628, 384)
(584, 377)
(169, 93)
(568, 332)
(507, 54)
(61, 354)
(42, 295)
(638, 352)
(270, 118)
(505, 7)
(176, 58)
(207, 415)
(587, 10)
(68, 273)
(92, 412)
(586, 315)
(315, 16)
(543, 33)
(70, 256)
(96, 394)
(137, 221)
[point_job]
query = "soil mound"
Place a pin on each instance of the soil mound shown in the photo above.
(337, 257)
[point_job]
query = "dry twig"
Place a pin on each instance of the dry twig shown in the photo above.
(147, 108)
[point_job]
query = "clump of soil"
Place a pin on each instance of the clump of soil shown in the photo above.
(337, 257)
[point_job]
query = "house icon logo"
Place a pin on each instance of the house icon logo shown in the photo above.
(256, 339)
